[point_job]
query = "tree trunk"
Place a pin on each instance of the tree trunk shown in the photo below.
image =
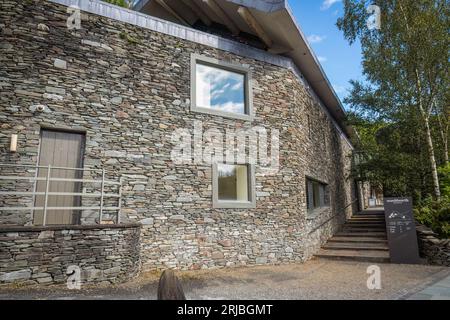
(446, 151)
(432, 158)
(443, 129)
(444, 133)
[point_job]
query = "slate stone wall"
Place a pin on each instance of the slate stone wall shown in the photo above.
(128, 89)
(436, 251)
(43, 255)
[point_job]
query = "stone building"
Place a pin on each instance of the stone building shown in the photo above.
(155, 104)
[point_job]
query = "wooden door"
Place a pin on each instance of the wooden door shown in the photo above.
(66, 150)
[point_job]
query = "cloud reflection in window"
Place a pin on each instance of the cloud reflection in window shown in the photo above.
(220, 89)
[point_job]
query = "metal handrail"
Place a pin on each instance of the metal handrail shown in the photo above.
(45, 167)
(332, 217)
(48, 179)
(57, 179)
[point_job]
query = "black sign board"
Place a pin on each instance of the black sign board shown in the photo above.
(401, 231)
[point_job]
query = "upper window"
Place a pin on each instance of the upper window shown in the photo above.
(317, 195)
(233, 186)
(220, 88)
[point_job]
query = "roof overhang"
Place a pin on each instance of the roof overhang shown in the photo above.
(274, 21)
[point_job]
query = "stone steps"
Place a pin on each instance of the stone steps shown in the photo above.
(381, 235)
(380, 218)
(362, 230)
(378, 215)
(356, 219)
(356, 246)
(355, 255)
(362, 238)
(358, 239)
(365, 225)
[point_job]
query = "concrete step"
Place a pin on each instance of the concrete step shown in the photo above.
(362, 238)
(366, 220)
(365, 224)
(355, 255)
(370, 213)
(347, 239)
(378, 216)
(382, 235)
(363, 230)
(356, 246)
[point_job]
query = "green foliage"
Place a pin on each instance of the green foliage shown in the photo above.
(133, 40)
(435, 214)
(401, 109)
(393, 158)
(121, 3)
(403, 97)
(444, 173)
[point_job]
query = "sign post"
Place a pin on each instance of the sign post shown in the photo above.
(401, 231)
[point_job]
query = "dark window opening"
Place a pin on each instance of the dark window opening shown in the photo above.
(316, 195)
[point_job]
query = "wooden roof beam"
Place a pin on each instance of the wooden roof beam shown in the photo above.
(164, 4)
(255, 26)
(198, 11)
(223, 16)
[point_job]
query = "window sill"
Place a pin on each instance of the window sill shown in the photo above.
(245, 117)
(234, 205)
(314, 214)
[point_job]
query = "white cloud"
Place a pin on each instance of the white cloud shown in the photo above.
(238, 86)
(327, 4)
(314, 38)
(322, 59)
(233, 107)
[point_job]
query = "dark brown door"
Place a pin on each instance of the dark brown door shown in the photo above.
(64, 150)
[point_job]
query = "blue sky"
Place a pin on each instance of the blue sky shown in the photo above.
(341, 62)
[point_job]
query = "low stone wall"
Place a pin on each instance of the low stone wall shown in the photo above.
(42, 255)
(436, 251)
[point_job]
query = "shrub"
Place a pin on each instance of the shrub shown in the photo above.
(435, 215)
(444, 179)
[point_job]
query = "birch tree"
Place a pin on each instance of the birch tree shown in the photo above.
(405, 64)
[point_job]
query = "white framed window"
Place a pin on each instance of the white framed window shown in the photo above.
(317, 196)
(221, 88)
(233, 186)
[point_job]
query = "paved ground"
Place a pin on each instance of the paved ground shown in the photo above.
(438, 291)
(316, 279)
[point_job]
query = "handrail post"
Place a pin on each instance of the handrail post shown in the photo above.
(47, 187)
(120, 200)
(102, 196)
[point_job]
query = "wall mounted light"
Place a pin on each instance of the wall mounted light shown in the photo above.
(13, 146)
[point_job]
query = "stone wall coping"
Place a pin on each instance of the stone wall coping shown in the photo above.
(7, 229)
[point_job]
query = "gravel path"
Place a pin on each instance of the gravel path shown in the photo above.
(316, 279)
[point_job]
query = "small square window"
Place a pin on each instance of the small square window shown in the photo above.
(316, 195)
(233, 186)
(220, 88)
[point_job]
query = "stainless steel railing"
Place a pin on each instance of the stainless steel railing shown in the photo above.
(49, 179)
